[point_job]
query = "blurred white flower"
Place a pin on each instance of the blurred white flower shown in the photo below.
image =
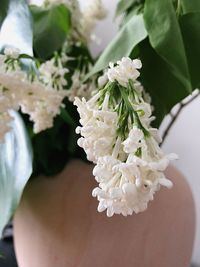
(52, 73)
(40, 99)
(6, 104)
(42, 104)
(91, 14)
(80, 89)
(12, 52)
(102, 80)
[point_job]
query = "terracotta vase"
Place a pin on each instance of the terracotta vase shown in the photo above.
(57, 225)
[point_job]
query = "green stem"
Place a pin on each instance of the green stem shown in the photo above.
(132, 90)
(107, 89)
(178, 9)
(132, 113)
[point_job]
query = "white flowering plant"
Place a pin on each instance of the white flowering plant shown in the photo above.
(117, 136)
(58, 102)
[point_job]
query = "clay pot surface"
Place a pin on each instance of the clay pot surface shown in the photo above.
(57, 225)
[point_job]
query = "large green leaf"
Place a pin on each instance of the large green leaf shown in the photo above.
(190, 26)
(165, 37)
(15, 168)
(16, 29)
(3, 10)
(123, 5)
(190, 5)
(165, 89)
(51, 26)
(123, 44)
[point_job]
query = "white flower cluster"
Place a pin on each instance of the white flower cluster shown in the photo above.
(116, 135)
(91, 14)
(35, 96)
(53, 73)
(98, 136)
(125, 70)
(84, 20)
(78, 88)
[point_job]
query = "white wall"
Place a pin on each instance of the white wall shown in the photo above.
(184, 139)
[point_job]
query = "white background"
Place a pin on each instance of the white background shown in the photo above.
(184, 138)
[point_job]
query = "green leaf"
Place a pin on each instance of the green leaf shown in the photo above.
(16, 29)
(66, 117)
(123, 5)
(136, 10)
(123, 44)
(15, 168)
(165, 89)
(3, 10)
(25, 56)
(165, 37)
(53, 148)
(190, 26)
(51, 26)
(190, 6)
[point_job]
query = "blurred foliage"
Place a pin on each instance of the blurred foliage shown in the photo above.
(51, 25)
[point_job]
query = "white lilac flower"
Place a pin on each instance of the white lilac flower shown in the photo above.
(127, 187)
(84, 21)
(144, 110)
(80, 89)
(124, 188)
(134, 140)
(138, 87)
(95, 9)
(5, 118)
(156, 135)
(34, 97)
(52, 73)
(152, 157)
(42, 104)
(12, 52)
(117, 136)
(98, 129)
(102, 80)
(125, 70)
(93, 12)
